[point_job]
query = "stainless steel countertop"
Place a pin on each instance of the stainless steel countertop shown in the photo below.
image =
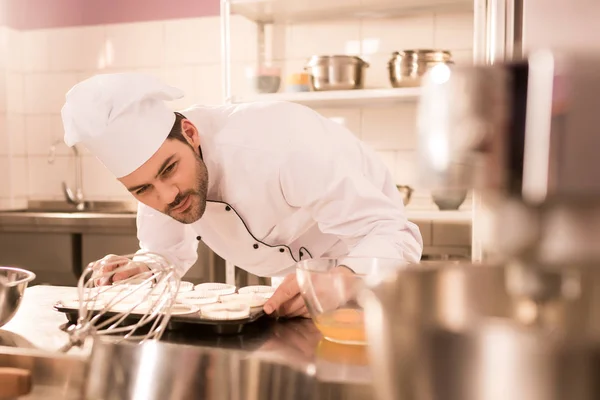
(294, 343)
(61, 217)
(67, 222)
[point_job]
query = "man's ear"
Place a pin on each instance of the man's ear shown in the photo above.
(190, 133)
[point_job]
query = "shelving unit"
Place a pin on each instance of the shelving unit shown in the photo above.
(490, 41)
(294, 11)
(459, 216)
(341, 98)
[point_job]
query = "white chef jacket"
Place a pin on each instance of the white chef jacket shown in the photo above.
(284, 184)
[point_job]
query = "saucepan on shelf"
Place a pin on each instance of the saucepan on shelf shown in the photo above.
(336, 72)
(408, 66)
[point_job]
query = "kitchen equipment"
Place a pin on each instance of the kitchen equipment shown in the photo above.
(153, 371)
(456, 332)
(13, 282)
(331, 292)
(264, 79)
(444, 258)
(336, 72)
(406, 68)
(195, 322)
(528, 325)
(298, 82)
(154, 290)
(449, 199)
(406, 192)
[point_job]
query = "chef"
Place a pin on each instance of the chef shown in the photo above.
(263, 185)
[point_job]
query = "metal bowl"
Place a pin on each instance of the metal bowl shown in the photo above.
(475, 331)
(336, 72)
(152, 371)
(449, 199)
(13, 282)
(406, 68)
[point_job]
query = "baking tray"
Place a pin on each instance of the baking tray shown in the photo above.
(183, 322)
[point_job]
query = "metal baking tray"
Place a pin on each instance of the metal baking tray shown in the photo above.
(185, 322)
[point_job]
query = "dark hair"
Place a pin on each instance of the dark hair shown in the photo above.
(176, 132)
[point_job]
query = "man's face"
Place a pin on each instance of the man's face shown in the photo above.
(175, 180)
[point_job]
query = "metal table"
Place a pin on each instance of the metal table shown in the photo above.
(334, 371)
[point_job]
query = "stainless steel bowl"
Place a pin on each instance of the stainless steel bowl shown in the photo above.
(462, 331)
(449, 199)
(336, 72)
(152, 371)
(13, 282)
(407, 67)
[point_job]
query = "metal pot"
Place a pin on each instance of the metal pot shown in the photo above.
(336, 72)
(449, 199)
(154, 371)
(13, 282)
(460, 332)
(407, 67)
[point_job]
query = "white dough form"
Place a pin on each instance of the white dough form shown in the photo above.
(89, 304)
(225, 311)
(131, 308)
(182, 309)
(220, 289)
(198, 298)
(250, 299)
(261, 290)
(183, 287)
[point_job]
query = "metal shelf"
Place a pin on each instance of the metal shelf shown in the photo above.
(340, 98)
(459, 216)
(283, 12)
(294, 11)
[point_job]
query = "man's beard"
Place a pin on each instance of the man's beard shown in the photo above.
(197, 197)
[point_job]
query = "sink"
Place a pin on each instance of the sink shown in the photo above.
(98, 207)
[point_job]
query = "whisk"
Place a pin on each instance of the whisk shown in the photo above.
(136, 309)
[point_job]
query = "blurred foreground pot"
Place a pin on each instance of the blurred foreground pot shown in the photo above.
(459, 332)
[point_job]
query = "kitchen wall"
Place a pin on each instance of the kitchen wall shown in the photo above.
(43, 56)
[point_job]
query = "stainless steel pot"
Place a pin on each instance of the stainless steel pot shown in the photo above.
(457, 331)
(165, 371)
(13, 282)
(336, 72)
(407, 67)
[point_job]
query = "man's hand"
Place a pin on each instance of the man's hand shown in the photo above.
(287, 300)
(126, 269)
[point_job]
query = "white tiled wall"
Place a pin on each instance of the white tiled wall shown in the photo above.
(44, 64)
(13, 189)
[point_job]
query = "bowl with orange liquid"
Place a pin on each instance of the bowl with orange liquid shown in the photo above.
(342, 363)
(331, 289)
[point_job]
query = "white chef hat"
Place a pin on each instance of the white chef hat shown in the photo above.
(121, 118)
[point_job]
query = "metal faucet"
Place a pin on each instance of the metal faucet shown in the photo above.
(75, 198)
